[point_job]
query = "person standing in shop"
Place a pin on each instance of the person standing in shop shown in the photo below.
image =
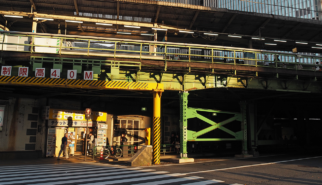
(71, 142)
(91, 141)
(63, 146)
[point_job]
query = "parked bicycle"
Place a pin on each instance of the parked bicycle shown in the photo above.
(112, 150)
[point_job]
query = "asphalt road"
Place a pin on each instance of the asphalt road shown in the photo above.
(279, 169)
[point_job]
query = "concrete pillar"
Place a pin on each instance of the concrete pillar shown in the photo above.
(34, 25)
(243, 109)
(252, 115)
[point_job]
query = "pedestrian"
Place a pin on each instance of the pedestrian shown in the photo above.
(172, 141)
(91, 141)
(317, 66)
(177, 142)
(266, 62)
(237, 60)
(63, 146)
(225, 59)
(123, 139)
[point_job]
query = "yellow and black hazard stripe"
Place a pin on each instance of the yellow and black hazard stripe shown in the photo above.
(88, 84)
(156, 140)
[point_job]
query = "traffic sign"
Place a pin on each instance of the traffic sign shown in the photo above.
(88, 113)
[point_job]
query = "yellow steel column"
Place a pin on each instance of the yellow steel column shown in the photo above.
(156, 126)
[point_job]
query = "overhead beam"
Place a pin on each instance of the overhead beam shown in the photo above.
(157, 14)
(33, 4)
(291, 30)
(192, 21)
(76, 7)
(87, 19)
(261, 26)
(229, 22)
(316, 35)
(77, 12)
(81, 84)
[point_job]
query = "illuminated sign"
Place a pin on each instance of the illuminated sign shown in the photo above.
(77, 115)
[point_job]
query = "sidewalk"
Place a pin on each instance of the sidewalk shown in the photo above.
(165, 159)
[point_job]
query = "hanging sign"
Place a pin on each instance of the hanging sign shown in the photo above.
(40, 72)
(88, 75)
(23, 71)
(6, 70)
(55, 73)
(88, 113)
(71, 74)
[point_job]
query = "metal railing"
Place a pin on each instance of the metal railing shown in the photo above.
(161, 51)
(306, 9)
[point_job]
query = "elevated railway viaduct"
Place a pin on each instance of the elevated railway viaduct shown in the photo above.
(244, 96)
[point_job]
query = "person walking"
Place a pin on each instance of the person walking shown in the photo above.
(172, 140)
(177, 142)
(63, 147)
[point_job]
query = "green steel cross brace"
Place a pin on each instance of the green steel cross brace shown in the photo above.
(188, 135)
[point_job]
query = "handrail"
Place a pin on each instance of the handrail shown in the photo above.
(92, 46)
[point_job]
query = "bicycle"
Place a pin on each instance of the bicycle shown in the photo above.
(112, 150)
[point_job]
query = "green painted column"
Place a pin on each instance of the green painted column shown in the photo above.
(243, 109)
(183, 124)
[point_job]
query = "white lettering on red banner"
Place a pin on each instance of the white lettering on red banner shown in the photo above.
(23, 71)
(88, 75)
(55, 73)
(40, 72)
(6, 71)
(71, 74)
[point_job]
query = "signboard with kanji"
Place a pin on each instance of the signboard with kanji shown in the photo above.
(6, 70)
(23, 71)
(64, 123)
(77, 115)
(55, 73)
(88, 75)
(40, 72)
(71, 74)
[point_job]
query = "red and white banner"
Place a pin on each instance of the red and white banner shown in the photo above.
(55, 73)
(71, 74)
(40, 72)
(23, 71)
(88, 75)
(6, 71)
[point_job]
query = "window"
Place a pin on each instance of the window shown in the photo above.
(132, 131)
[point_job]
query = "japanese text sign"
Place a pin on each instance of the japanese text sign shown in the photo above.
(23, 71)
(6, 71)
(40, 72)
(88, 75)
(71, 74)
(55, 73)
